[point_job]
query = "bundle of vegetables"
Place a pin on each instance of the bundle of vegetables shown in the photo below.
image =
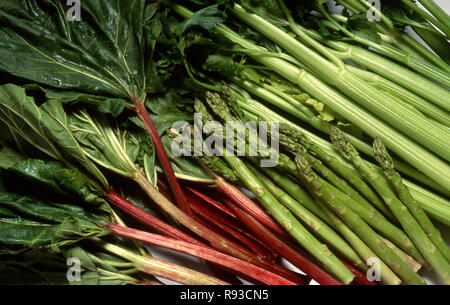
(76, 121)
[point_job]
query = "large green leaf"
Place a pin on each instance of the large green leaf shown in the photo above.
(109, 146)
(75, 229)
(29, 207)
(23, 116)
(30, 218)
(33, 267)
(22, 233)
(101, 54)
(45, 127)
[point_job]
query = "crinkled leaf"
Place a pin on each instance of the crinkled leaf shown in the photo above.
(75, 229)
(206, 18)
(362, 27)
(223, 64)
(9, 157)
(24, 233)
(112, 106)
(56, 178)
(23, 116)
(56, 124)
(101, 54)
(27, 207)
(33, 267)
(45, 127)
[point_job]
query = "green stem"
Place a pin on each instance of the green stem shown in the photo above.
(163, 269)
(283, 101)
(401, 40)
(319, 227)
(407, 96)
(370, 215)
(295, 190)
(289, 222)
(376, 101)
(297, 30)
(356, 224)
(411, 61)
(270, 116)
(438, 13)
(436, 42)
(406, 219)
(385, 161)
(387, 276)
(402, 76)
(355, 180)
(437, 207)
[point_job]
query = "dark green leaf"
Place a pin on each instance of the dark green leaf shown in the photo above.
(206, 18)
(33, 267)
(25, 233)
(45, 127)
(362, 27)
(113, 106)
(73, 230)
(403, 16)
(101, 54)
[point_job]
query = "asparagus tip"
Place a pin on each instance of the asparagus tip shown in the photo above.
(382, 156)
(346, 149)
(303, 165)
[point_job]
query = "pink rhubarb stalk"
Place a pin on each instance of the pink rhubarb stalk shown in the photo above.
(214, 256)
(283, 249)
(162, 156)
(236, 196)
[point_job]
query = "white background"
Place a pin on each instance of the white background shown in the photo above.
(201, 266)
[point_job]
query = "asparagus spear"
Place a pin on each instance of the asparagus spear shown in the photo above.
(295, 190)
(356, 224)
(319, 227)
(406, 219)
(278, 211)
(352, 176)
(387, 275)
(289, 222)
(326, 173)
(372, 217)
(303, 197)
(385, 162)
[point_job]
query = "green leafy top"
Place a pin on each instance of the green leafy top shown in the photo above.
(101, 54)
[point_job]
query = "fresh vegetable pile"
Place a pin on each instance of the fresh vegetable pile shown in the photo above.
(113, 132)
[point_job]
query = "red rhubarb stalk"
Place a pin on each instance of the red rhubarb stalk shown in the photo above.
(222, 220)
(216, 240)
(162, 156)
(250, 270)
(283, 249)
(245, 203)
(252, 245)
(147, 219)
(212, 202)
